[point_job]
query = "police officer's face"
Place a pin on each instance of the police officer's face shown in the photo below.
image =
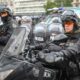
(4, 14)
(69, 26)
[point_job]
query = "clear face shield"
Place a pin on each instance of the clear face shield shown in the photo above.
(39, 37)
(55, 31)
(39, 33)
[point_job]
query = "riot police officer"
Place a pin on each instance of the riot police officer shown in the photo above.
(69, 54)
(6, 24)
(44, 37)
(38, 35)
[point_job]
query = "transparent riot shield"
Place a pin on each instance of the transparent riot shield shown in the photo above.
(14, 46)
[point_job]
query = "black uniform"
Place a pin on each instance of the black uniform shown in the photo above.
(39, 41)
(6, 28)
(68, 58)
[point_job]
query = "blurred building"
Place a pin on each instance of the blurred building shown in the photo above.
(8, 3)
(29, 7)
(5, 2)
(76, 3)
(2, 1)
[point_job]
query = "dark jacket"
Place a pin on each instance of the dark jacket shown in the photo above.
(6, 31)
(68, 59)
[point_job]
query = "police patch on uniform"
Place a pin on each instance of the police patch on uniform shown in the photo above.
(47, 73)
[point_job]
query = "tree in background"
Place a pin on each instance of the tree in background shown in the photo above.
(49, 5)
(57, 3)
(63, 3)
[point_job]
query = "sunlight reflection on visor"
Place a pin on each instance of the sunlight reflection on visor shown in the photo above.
(1, 22)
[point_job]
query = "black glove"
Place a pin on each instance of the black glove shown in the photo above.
(50, 57)
(41, 55)
(4, 40)
(40, 46)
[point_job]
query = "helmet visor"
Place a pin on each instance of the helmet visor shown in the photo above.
(1, 22)
(4, 14)
(69, 25)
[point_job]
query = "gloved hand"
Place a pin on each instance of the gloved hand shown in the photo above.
(40, 46)
(50, 57)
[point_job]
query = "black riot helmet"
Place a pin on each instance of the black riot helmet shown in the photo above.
(5, 13)
(70, 24)
(40, 33)
(4, 8)
(54, 30)
(70, 21)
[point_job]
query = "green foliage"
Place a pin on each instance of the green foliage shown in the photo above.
(68, 3)
(57, 3)
(49, 5)
(63, 3)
